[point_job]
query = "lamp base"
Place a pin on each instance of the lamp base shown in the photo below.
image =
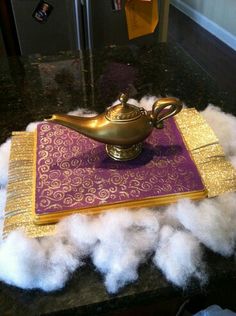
(123, 153)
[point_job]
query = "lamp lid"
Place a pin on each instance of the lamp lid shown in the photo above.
(123, 111)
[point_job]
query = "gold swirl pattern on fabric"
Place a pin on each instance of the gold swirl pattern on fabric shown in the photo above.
(218, 174)
(75, 174)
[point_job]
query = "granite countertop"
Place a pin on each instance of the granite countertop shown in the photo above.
(34, 87)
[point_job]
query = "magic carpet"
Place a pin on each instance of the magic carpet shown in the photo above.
(216, 173)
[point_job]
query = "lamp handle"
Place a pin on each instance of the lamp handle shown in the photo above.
(163, 109)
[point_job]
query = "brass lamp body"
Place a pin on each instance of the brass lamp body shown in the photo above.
(122, 127)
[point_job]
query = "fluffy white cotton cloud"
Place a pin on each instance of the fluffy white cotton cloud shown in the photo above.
(147, 102)
(31, 263)
(60, 259)
(118, 242)
(179, 256)
(3, 196)
(212, 221)
(19, 258)
(233, 160)
(80, 231)
(125, 239)
(31, 127)
(4, 162)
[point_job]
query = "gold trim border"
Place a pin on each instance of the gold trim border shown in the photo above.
(218, 174)
(20, 188)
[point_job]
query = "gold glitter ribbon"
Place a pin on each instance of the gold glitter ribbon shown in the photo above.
(217, 173)
(19, 205)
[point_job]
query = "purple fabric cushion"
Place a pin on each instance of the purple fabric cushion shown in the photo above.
(74, 172)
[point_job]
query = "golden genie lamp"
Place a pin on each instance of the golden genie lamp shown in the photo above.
(122, 127)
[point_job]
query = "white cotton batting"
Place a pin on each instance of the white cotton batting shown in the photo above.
(3, 196)
(118, 242)
(147, 102)
(81, 231)
(224, 126)
(165, 217)
(31, 263)
(233, 160)
(126, 238)
(61, 258)
(4, 162)
(31, 127)
(19, 260)
(179, 256)
(212, 221)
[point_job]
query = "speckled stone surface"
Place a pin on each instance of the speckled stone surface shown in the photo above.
(32, 88)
